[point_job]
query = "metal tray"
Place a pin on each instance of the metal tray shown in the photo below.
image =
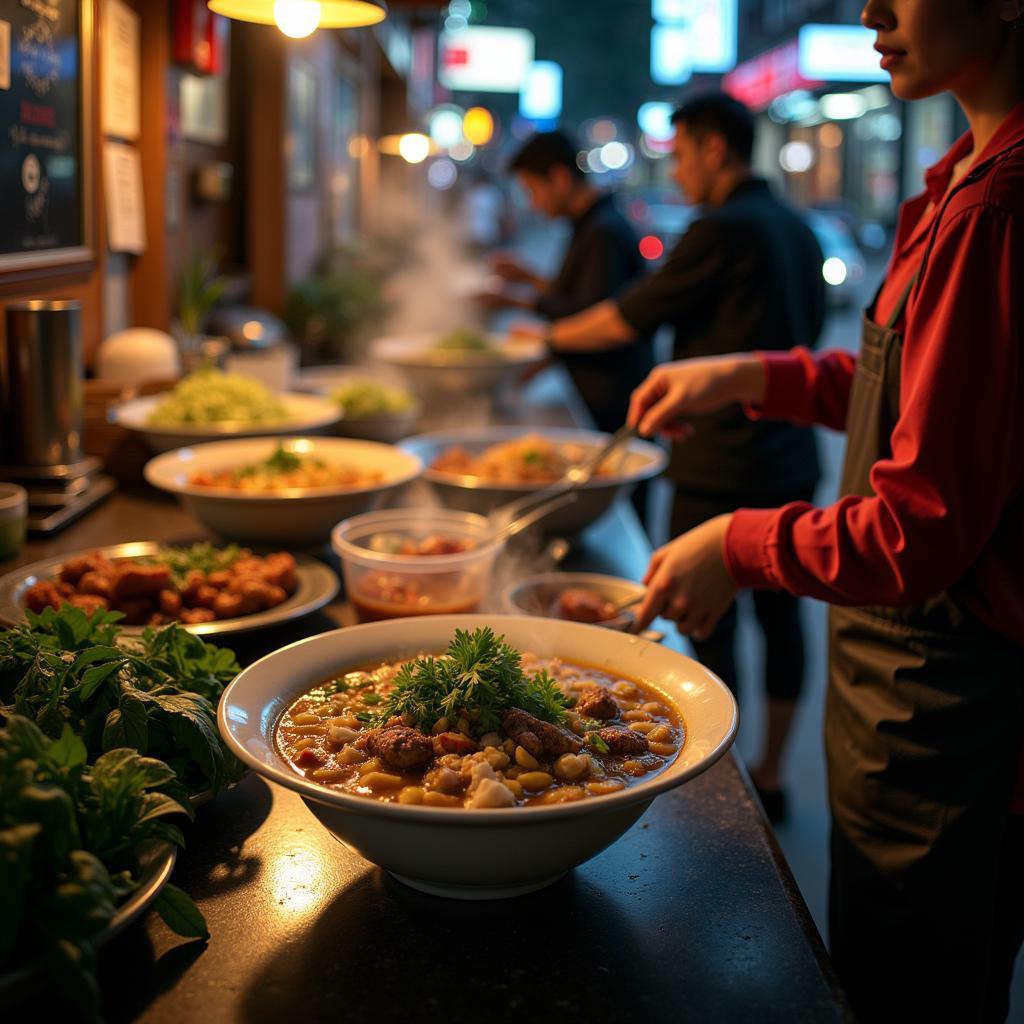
(318, 584)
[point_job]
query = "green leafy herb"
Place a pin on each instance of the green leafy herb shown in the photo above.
(598, 743)
(157, 695)
(480, 675)
(204, 556)
(71, 834)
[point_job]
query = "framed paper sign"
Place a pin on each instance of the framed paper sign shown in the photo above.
(45, 132)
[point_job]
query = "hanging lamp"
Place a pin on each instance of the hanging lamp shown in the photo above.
(299, 18)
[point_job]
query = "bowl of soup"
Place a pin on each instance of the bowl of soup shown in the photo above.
(576, 597)
(415, 561)
(281, 490)
(469, 773)
(479, 469)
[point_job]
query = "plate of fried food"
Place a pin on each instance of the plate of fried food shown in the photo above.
(209, 589)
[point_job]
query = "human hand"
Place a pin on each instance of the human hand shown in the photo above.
(508, 267)
(692, 387)
(526, 331)
(687, 581)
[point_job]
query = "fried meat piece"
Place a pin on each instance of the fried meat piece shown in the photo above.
(539, 737)
(400, 747)
(73, 570)
(596, 702)
(623, 742)
(88, 602)
(42, 595)
(96, 582)
(140, 581)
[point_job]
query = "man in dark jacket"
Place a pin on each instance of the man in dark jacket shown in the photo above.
(746, 275)
(602, 256)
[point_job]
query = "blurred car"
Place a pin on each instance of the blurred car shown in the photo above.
(843, 266)
(659, 216)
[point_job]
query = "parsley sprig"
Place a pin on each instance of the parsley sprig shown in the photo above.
(479, 675)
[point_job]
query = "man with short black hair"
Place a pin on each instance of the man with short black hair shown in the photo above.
(746, 275)
(603, 255)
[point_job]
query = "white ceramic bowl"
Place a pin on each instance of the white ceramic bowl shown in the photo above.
(299, 517)
(474, 494)
(475, 854)
(428, 368)
(306, 414)
(388, 427)
(534, 595)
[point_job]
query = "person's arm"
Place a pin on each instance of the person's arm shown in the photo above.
(596, 329)
(792, 385)
(957, 448)
(642, 307)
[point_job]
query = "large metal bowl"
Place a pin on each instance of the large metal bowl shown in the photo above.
(640, 460)
(430, 369)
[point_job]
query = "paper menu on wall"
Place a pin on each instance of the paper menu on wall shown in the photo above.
(120, 79)
(126, 212)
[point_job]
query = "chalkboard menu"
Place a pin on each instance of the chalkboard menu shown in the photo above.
(44, 101)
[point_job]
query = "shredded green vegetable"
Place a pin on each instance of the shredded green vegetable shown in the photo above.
(211, 396)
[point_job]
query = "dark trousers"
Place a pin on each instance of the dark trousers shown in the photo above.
(777, 612)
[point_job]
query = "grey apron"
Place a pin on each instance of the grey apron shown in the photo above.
(923, 728)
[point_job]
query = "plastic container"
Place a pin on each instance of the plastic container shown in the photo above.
(13, 519)
(382, 583)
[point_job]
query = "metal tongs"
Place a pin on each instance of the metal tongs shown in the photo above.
(517, 515)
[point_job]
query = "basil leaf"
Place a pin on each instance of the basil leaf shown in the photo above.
(180, 913)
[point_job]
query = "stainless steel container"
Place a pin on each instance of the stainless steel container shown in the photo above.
(41, 383)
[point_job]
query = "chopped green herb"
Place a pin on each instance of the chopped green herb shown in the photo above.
(479, 673)
(531, 457)
(598, 743)
(372, 698)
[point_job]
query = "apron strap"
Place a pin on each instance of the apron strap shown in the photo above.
(897, 311)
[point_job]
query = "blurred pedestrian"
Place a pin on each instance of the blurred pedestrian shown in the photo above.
(745, 275)
(602, 256)
(922, 556)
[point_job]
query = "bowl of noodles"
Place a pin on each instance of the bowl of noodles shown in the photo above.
(480, 469)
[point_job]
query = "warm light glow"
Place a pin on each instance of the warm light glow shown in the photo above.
(414, 148)
(297, 18)
(796, 157)
(252, 330)
(614, 155)
(651, 247)
(834, 271)
(478, 126)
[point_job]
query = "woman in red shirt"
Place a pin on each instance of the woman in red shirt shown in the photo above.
(922, 556)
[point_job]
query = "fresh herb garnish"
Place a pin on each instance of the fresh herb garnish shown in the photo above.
(282, 461)
(531, 457)
(480, 675)
(205, 557)
(598, 743)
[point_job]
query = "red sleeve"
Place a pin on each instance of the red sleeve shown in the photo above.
(804, 388)
(957, 448)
